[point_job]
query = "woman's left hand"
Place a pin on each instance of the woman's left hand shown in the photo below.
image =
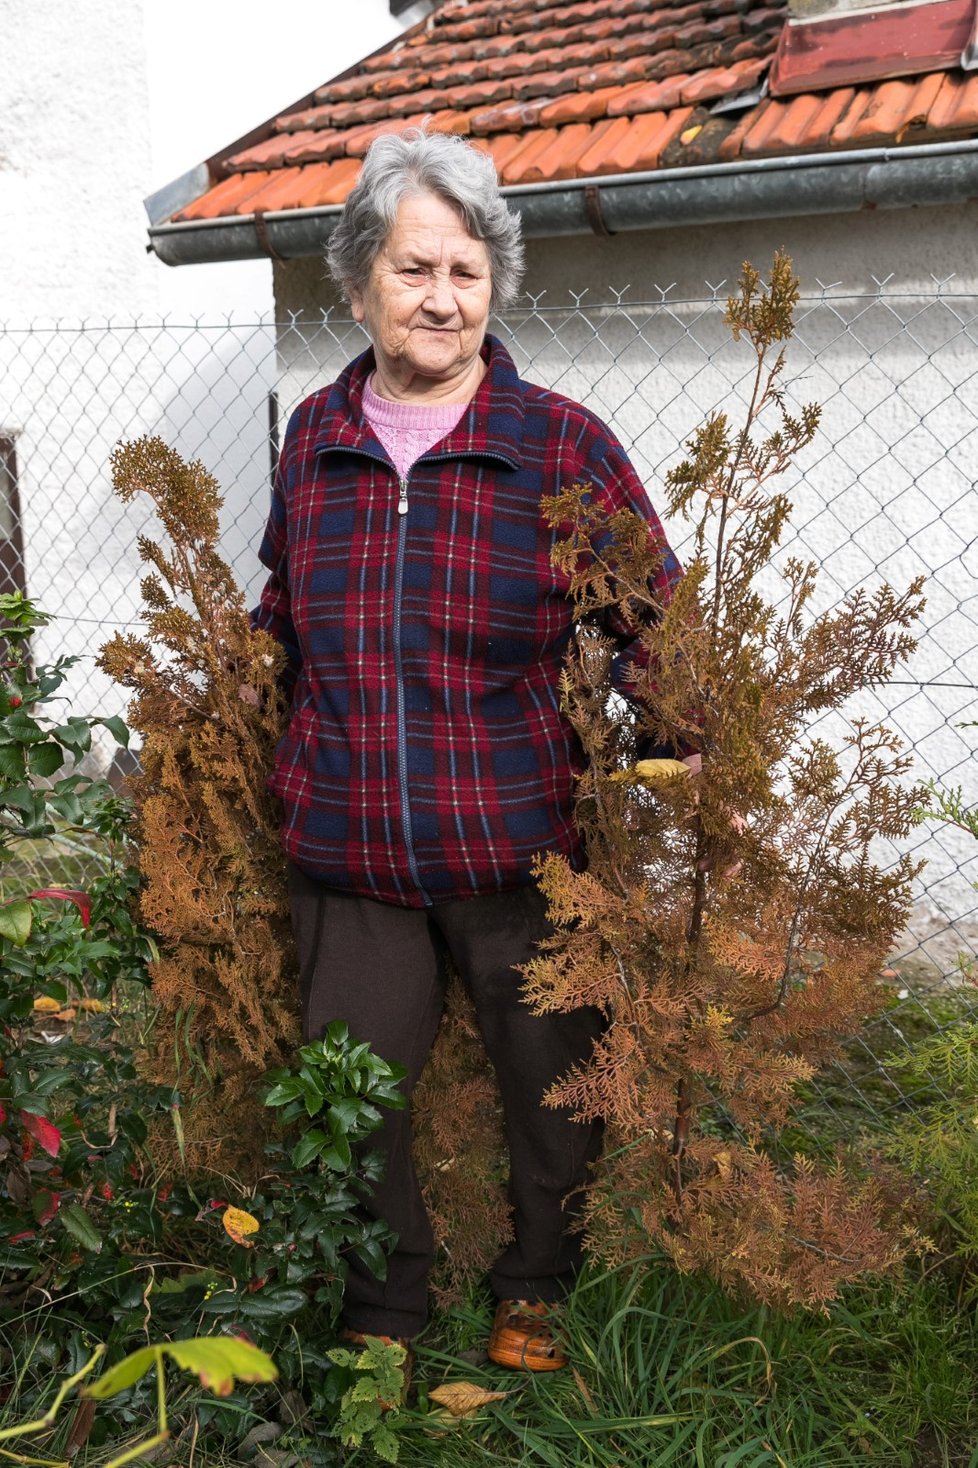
(694, 763)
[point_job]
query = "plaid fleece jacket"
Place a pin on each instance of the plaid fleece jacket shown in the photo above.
(426, 757)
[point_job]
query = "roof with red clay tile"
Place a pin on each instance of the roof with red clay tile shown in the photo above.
(593, 88)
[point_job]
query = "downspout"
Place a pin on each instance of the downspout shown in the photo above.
(763, 188)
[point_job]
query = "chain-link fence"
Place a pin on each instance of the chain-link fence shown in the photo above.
(886, 492)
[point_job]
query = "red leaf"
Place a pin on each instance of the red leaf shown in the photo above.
(82, 900)
(3, 1115)
(46, 1205)
(28, 1233)
(43, 1131)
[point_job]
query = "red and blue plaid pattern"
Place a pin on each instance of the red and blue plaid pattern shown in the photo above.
(426, 757)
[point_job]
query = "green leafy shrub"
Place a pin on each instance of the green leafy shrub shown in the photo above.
(98, 1241)
(938, 1141)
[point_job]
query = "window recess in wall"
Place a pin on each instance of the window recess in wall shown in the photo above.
(12, 570)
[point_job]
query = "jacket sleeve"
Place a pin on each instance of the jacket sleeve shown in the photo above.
(274, 612)
(622, 489)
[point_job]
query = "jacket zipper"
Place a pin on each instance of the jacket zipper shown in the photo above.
(402, 773)
(402, 767)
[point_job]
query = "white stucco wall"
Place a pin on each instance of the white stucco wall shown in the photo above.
(74, 160)
(887, 490)
(84, 360)
(74, 164)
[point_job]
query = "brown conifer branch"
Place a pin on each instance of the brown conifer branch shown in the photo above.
(694, 971)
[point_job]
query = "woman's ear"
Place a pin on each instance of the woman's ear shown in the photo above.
(356, 304)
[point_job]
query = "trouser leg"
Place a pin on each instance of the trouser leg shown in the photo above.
(379, 968)
(549, 1152)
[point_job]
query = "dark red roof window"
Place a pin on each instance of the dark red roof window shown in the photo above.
(841, 47)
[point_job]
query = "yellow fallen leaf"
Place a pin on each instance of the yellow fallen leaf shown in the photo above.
(651, 772)
(44, 1004)
(463, 1398)
(92, 1006)
(65, 1014)
(657, 770)
(238, 1223)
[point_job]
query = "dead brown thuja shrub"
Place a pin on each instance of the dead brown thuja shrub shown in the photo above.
(206, 701)
(460, 1150)
(724, 987)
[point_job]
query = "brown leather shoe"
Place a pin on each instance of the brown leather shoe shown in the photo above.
(522, 1339)
(360, 1338)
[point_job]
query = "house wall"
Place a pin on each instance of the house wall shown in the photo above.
(74, 165)
(74, 160)
(84, 361)
(885, 493)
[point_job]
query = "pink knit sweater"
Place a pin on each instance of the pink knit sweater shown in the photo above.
(407, 430)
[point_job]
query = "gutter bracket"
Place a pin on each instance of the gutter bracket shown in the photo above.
(261, 230)
(592, 208)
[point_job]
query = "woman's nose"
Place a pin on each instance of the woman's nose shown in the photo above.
(440, 298)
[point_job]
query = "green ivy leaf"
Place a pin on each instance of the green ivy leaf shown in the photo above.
(15, 922)
(80, 1226)
(44, 759)
(117, 728)
(20, 727)
(12, 763)
(218, 1360)
(124, 1374)
(75, 734)
(308, 1147)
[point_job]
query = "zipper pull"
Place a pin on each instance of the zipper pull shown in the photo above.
(402, 504)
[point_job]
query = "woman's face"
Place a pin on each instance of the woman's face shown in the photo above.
(426, 304)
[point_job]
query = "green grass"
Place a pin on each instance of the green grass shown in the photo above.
(668, 1371)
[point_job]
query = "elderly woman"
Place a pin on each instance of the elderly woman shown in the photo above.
(427, 761)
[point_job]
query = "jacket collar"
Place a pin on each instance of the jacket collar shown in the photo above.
(490, 427)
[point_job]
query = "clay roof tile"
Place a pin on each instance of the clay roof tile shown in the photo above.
(317, 147)
(533, 142)
(585, 87)
(724, 82)
(956, 105)
(584, 106)
(649, 97)
(297, 122)
(799, 124)
(327, 183)
(226, 196)
(556, 160)
(269, 154)
(893, 108)
(508, 117)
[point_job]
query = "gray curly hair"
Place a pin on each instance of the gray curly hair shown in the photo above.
(398, 165)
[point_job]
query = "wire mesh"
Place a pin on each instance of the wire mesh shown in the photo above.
(886, 492)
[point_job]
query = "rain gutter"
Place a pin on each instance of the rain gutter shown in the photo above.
(763, 188)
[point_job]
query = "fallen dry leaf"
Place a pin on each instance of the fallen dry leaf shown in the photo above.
(238, 1223)
(463, 1398)
(44, 1004)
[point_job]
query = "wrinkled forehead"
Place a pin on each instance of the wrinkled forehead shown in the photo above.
(434, 231)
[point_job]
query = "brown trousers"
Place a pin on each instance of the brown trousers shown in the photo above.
(382, 969)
